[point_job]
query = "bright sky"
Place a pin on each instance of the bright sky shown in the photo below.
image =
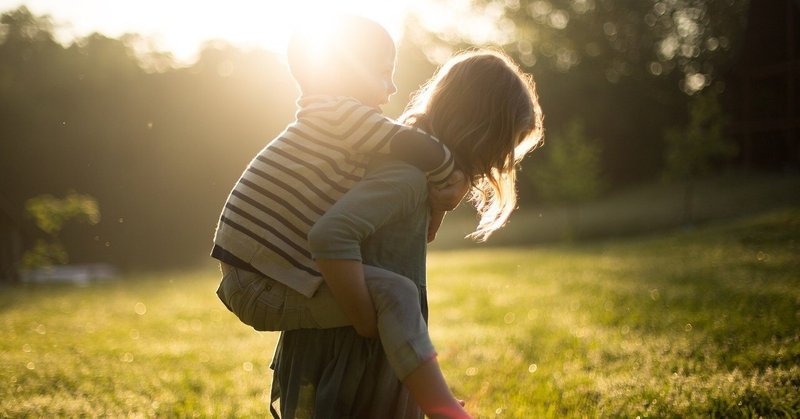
(181, 26)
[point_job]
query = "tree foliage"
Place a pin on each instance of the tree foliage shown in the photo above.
(624, 67)
(160, 145)
(570, 172)
(690, 150)
(159, 150)
(50, 215)
(625, 38)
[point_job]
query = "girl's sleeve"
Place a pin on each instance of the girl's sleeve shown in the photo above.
(364, 130)
(383, 196)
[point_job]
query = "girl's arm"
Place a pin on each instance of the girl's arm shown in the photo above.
(345, 278)
(383, 196)
(445, 199)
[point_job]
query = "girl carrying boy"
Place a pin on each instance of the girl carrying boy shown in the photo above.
(281, 232)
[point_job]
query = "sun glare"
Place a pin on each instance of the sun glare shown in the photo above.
(282, 18)
(182, 28)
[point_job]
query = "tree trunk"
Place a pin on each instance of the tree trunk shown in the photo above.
(570, 232)
(688, 203)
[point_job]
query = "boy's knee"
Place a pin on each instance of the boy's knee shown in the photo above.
(390, 288)
(405, 288)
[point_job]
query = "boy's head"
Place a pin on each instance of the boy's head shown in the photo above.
(349, 56)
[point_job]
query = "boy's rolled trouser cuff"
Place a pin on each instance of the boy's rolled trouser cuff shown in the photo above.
(409, 356)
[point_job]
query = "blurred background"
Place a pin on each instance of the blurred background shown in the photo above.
(123, 125)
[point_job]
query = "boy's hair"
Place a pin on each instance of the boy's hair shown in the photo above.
(485, 109)
(333, 56)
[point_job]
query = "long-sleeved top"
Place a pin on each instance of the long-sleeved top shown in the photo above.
(298, 176)
(334, 373)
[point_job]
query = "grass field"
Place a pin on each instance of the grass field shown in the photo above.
(699, 323)
(649, 208)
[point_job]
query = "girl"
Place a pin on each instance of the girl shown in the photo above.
(486, 112)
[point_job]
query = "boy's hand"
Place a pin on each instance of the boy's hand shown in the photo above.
(450, 195)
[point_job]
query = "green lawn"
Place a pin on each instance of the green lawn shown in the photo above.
(700, 323)
(648, 208)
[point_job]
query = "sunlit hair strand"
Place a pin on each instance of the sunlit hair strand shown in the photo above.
(485, 109)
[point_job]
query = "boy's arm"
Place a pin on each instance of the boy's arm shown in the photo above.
(364, 130)
(425, 152)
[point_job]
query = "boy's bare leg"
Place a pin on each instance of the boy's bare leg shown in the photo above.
(429, 389)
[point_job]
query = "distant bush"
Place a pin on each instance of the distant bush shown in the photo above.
(570, 172)
(50, 214)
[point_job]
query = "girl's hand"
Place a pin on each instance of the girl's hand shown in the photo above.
(450, 195)
(446, 199)
(436, 221)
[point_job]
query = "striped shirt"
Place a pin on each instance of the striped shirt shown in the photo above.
(298, 176)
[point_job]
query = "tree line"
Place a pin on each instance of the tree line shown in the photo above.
(158, 146)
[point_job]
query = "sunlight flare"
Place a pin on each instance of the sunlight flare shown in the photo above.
(182, 28)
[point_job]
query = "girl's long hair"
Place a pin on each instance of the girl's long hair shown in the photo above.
(485, 109)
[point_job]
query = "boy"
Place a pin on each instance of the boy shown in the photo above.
(261, 239)
(322, 154)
